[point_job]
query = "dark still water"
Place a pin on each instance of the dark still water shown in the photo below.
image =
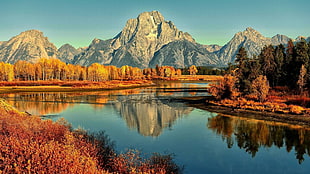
(204, 142)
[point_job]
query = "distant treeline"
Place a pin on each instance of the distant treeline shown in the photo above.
(205, 70)
(54, 69)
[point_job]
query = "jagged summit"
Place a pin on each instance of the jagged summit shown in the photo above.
(155, 16)
(29, 45)
(249, 34)
(32, 33)
(250, 29)
(136, 44)
(142, 37)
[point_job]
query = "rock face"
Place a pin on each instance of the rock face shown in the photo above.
(182, 53)
(99, 51)
(212, 48)
(67, 52)
(29, 45)
(279, 39)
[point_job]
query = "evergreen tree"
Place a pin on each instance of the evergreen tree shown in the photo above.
(255, 68)
(301, 53)
(268, 64)
(300, 57)
(288, 60)
(301, 79)
(242, 58)
(279, 57)
(243, 71)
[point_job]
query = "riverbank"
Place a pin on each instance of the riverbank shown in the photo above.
(190, 78)
(289, 117)
(70, 86)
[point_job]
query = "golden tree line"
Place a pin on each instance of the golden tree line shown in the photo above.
(54, 69)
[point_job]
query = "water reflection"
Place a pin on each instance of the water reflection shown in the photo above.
(250, 135)
(51, 103)
(148, 114)
(44, 103)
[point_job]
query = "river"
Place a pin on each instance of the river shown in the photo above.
(149, 120)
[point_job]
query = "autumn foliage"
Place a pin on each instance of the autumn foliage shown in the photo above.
(32, 145)
(225, 88)
(47, 69)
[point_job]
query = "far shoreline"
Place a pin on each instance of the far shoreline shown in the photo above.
(80, 86)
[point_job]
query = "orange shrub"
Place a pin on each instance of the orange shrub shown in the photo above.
(31, 145)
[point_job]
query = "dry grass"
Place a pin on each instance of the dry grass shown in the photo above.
(68, 86)
(242, 103)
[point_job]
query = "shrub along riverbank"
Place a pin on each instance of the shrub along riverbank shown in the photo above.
(32, 145)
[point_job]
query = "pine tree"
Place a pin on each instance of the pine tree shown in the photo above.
(243, 71)
(301, 79)
(268, 64)
(279, 69)
(288, 60)
(300, 57)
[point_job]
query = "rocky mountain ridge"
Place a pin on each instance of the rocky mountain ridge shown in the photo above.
(145, 41)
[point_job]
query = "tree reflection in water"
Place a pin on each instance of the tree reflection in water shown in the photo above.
(250, 135)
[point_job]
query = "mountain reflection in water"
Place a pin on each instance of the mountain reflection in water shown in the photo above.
(250, 135)
(146, 113)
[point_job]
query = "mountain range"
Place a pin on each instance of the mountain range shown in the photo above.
(145, 41)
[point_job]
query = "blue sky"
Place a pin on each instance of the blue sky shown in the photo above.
(78, 22)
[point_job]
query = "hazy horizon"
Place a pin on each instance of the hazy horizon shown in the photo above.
(78, 22)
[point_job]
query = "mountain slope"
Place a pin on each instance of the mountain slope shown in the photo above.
(67, 52)
(181, 54)
(29, 45)
(99, 51)
(250, 39)
(212, 48)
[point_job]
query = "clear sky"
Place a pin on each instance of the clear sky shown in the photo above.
(78, 22)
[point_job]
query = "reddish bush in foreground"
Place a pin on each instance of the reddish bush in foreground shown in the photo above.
(31, 145)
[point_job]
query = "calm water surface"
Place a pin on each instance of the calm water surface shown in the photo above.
(204, 142)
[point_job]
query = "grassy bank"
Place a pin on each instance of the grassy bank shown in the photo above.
(69, 86)
(290, 114)
(31, 145)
